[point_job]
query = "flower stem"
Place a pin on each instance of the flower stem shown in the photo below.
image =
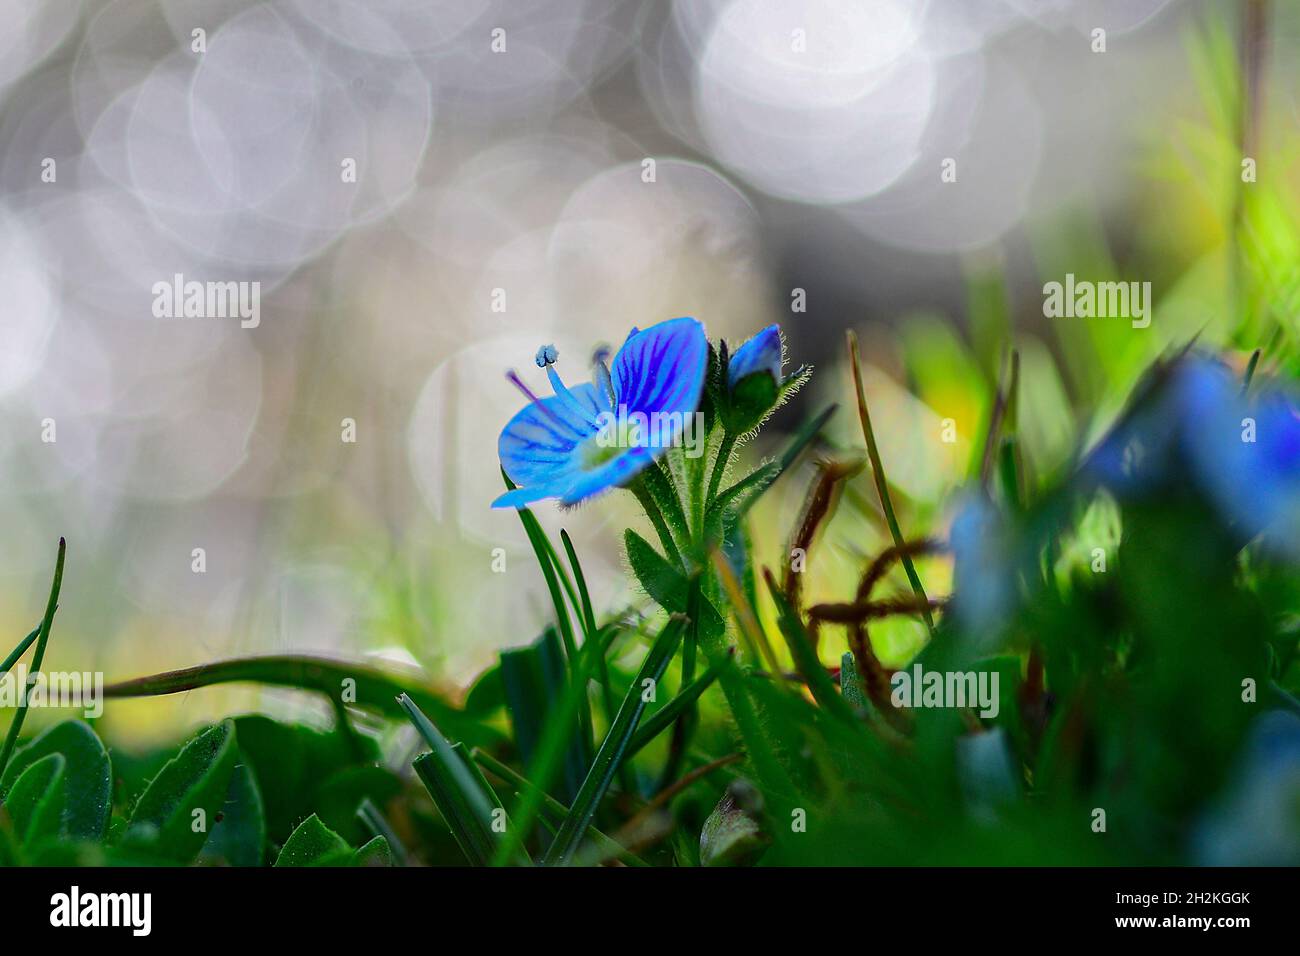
(641, 489)
(720, 466)
(663, 489)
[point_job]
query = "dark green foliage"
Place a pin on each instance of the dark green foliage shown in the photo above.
(88, 776)
(534, 679)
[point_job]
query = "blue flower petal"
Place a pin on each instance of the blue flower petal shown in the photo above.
(612, 474)
(661, 369)
(541, 445)
(762, 353)
(523, 497)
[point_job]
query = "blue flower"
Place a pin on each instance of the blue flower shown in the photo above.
(983, 583)
(1242, 455)
(762, 353)
(1257, 821)
(754, 385)
(596, 436)
(1246, 454)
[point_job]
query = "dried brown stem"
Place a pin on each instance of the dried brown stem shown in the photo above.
(823, 494)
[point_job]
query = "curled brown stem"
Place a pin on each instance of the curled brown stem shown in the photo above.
(823, 495)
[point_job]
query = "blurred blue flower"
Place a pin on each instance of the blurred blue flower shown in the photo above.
(596, 436)
(1199, 430)
(1258, 822)
(1246, 454)
(762, 353)
(983, 586)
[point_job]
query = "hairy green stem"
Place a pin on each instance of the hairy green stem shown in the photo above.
(651, 508)
(720, 462)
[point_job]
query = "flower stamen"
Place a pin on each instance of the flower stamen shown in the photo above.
(518, 383)
(600, 372)
(546, 358)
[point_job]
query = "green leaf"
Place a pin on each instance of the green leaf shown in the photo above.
(291, 763)
(35, 804)
(487, 695)
(851, 684)
(88, 773)
(611, 751)
(377, 825)
(732, 836)
(314, 844)
(238, 837)
(669, 588)
(197, 778)
(375, 853)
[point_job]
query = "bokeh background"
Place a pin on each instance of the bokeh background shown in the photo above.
(502, 145)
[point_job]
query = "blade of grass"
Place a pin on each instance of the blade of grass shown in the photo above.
(720, 462)
(613, 747)
(677, 743)
(38, 656)
(531, 520)
(553, 806)
(553, 571)
(460, 797)
(20, 650)
(664, 717)
(589, 630)
(805, 658)
(533, 679)
(543, 551)
(556, 734)
(999, 417)
(1009, 473)
(882, 486)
